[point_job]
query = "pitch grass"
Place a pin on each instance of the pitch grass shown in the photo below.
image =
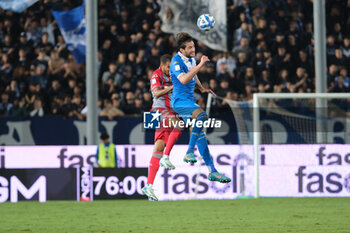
(329, 215)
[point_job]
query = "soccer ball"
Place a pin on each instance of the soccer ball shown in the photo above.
(205, 22)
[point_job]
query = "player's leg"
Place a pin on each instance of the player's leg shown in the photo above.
(199, 115)
(173, 136)
(165, 134)
(153, 169)
(203, 149)
(187, 109)
(164, 161)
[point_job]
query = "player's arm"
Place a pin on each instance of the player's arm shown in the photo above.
(156, 87)
(158, 92)
(203, 89)
(184, 78)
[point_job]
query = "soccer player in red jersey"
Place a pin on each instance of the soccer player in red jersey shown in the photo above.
(164, 138)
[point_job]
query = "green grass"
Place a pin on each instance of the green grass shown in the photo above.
(329, 215)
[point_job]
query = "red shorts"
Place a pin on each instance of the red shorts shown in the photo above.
(163, 133)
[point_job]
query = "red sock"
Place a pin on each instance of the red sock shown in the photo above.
(174, 135)
(153, 166)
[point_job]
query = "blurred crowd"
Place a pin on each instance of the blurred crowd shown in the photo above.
(270, 49)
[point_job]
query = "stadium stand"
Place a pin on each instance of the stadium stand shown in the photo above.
(270, 50)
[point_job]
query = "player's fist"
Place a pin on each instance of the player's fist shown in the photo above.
(204, 59)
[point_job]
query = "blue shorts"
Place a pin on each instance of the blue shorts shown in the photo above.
(185, 108)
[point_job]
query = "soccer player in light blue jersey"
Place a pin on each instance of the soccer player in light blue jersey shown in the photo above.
(183, 70)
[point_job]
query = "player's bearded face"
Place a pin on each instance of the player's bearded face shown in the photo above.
(190, 49)
(166, 68)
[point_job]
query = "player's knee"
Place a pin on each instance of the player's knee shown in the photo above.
(202, 136)
(202, 116)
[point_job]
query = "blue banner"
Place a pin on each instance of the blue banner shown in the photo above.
(123, 130)
(52, 130)
(16, 5)
(72, 25)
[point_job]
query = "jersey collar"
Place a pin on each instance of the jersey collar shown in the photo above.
(184, 58)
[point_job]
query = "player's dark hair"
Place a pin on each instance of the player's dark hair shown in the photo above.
(182, 38)
(165, 58)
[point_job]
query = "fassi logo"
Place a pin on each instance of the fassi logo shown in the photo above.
(76, 160)
(332, 158)
(315, 182)
(182, 183)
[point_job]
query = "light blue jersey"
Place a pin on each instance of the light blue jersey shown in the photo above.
(182, 98)
(181, 65)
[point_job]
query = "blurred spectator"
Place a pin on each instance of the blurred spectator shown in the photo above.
(139, 106)
(129, 107)
(45, 45)
(13, 90)
(147, 97)
(99, 108)
(5, 67)
(33, 31)
(55, 65)
(5, 105)
(282, 60)
(224, 87)
(283, 82)
(116, 105)
(153, 59)
(39, 76)
(339, 85)
(265, 82)
(19, 108)
(346, 48)
(241, 64)
(22, 59)
(112, 73)
(110, 111)
(250, 79)
(299, 81)
(75, 108)
(243, 48)
(37, 108)
(241, 32)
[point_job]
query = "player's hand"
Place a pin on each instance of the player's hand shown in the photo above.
(205, 90)
(204, 59)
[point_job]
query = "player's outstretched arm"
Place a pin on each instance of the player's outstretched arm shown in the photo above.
(203, 89)
(184, 78)
(158, 92)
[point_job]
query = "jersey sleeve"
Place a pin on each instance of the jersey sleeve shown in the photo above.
(177, 68)
(155, 81)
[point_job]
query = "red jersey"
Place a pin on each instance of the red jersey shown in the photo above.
(162, 81)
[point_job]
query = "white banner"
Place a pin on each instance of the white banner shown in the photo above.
(184, 15)
(305, 181)
(316, 155)
(181, 184)
(128, 156)
(285, 170)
